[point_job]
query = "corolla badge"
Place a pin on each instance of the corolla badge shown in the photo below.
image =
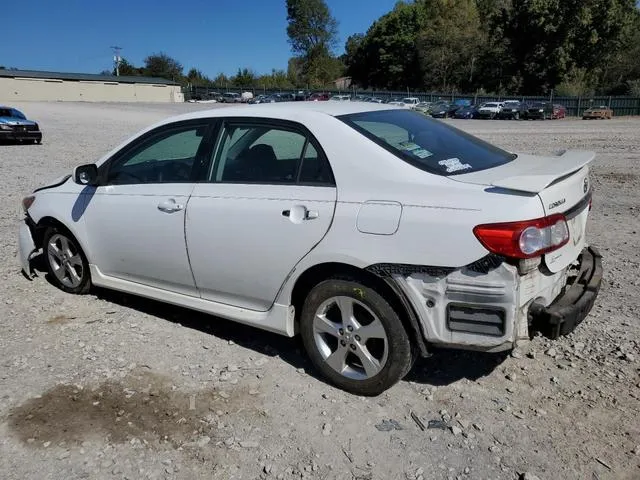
(585, 185)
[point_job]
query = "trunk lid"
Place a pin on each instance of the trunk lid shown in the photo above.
(563, 186)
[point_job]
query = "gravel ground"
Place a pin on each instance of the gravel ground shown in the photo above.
(112, 386)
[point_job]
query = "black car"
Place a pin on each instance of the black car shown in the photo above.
(539, 111)
(468, 112)
(444, 109)
(513, 110)
(15, 127)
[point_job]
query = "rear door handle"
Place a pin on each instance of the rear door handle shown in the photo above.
(299, 213)
(311, 214)
(170, 206)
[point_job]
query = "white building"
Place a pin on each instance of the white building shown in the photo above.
(21, 85)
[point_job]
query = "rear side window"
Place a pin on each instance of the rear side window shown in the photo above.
(428, 144)
(268, 154)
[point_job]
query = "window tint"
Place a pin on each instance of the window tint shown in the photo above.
(167, 157)
(315, 168)
(426, 143)
(260, 154)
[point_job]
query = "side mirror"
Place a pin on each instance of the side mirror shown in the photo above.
(86, 174)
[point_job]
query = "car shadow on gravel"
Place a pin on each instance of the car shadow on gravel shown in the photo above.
(266, 343)
(442, 368)
(447, 366)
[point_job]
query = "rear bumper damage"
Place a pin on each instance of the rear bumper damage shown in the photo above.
(574, 304)
(490, 306)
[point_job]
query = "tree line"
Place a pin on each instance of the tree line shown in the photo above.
(570, 47)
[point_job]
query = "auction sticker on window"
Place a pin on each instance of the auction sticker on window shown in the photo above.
(454, 165)
(408, 146)
(414, 149)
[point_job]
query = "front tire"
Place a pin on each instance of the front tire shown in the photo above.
(67, 264)
(354, 337)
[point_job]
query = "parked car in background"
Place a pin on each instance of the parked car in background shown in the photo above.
(375, 100)
(443, 109)
(512, 110)
(332, 255)
(489, 110)
(602, 112)
(395, 101)
(341, 98)
(230, 97)
(319, 97)
(463, 102)
(15, 127)
(559, 112)
(262, 98)
(301, 95)
(411, 101)
(466, 113)
(423, 107)
(539, 111)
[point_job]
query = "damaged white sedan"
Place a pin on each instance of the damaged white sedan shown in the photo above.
(373, 232)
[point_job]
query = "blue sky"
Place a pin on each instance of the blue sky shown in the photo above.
(215, 35)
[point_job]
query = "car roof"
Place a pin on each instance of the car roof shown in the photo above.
(287, 110)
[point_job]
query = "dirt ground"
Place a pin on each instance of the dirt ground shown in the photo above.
(113, 386)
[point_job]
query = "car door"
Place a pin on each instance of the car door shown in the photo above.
(268, 200)
(135, 218)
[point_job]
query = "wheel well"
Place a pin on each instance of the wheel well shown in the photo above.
(318, 273)
(41, 228)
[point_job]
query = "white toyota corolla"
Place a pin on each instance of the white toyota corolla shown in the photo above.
(372, 231)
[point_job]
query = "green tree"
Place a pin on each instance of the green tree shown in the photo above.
(127, 69)
(449, 44)
(221, 81)
(196, 77)
(163, 66)
(244, 78)
(547, 40)
(386, 57)
(313, 32)
(310, 27)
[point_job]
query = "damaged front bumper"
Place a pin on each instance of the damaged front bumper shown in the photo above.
(569, 309)
(490, 306)
(26, 248)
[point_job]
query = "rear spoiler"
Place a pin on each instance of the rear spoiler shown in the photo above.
(534, 173)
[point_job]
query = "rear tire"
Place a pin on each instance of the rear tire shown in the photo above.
(67, 264)
(354, 337)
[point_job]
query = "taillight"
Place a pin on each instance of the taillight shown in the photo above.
(526, 239)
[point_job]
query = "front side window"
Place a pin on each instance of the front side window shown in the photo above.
(167, 157)
(426, 143)
(266, 154)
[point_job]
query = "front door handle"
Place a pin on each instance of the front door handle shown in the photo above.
(170, 206)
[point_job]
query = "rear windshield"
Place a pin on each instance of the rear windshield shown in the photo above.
(426, 143)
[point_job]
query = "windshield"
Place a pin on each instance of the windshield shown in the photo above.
(426, 143)
(490, 105)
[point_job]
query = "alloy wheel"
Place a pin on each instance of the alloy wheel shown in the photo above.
(350, 338)
(65, 260)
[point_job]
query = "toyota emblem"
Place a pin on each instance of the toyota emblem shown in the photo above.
(585, 185)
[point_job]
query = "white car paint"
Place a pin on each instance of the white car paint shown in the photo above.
(490, 108)
(245, 256)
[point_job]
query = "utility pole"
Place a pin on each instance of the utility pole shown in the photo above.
(117, 59)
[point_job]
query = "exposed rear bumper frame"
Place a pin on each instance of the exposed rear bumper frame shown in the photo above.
(569, 309)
